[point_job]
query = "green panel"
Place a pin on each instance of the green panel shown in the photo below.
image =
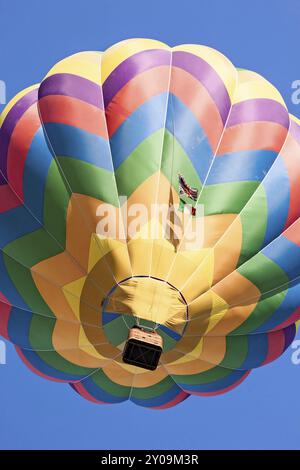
(168, 341)
(22, 279)
(153, 391)
(40, 328)
(40, 337)
(261, 314)
(143, 162)
(32, 248)
(263, 272)
(40, 333)
(53, 359)
(236, 351)
(116, 330)
(112, 388)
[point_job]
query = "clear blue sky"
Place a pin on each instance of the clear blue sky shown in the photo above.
(264, 412)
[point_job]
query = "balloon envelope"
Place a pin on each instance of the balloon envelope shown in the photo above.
(155, 186)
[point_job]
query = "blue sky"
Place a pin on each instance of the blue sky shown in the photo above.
(264, 412)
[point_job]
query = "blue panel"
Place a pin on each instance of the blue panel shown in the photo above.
(107, 317)
(216, 386)
(258, 347)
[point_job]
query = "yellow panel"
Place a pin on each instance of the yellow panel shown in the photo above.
(163, 254)
(251, 85)
(118, 262)
(193, 272)
(99, 247)
(140, 256)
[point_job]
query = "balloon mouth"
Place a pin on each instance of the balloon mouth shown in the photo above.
(142, 305)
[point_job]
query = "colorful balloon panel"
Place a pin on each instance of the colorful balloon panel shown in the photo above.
(113, 131)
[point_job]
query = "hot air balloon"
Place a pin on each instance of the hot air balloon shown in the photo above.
(99, 289)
